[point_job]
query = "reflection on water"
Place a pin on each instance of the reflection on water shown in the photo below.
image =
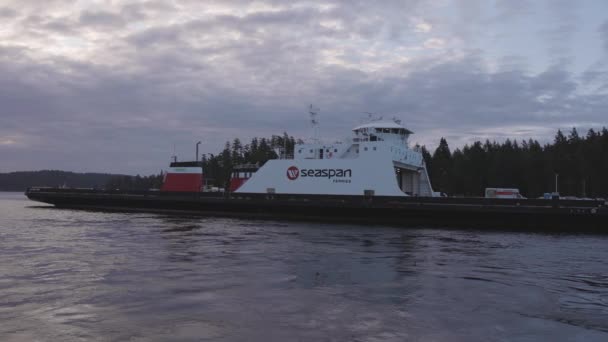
(76, 275)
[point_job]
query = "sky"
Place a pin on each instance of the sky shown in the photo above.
(118, 86)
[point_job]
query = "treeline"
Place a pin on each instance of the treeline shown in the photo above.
(19, 181)
(135, 182)
(581, 163)
(218, 167)
(259, 150)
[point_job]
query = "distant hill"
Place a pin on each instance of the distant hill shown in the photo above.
(20, 181)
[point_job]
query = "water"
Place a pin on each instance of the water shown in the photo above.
(73, 275)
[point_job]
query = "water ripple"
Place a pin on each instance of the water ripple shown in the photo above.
(80, 275)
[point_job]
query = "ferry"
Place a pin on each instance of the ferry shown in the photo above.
(375, 161)
(373, 176)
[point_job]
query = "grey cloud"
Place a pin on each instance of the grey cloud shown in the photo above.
(43, 26)
(509, 9)
(157, 35)
(79, 113)
(567, 22)
(463, 97)
(89, 18)
(146, 9)
(224, 76)
(603, 30)
(289, 22)
(37, 5)
(63, 26)
(6, 13)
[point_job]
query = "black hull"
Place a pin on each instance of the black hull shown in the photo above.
(525, 215)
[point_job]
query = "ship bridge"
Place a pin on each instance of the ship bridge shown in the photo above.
(382, 131)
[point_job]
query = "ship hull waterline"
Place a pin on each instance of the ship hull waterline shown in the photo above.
(528, 215)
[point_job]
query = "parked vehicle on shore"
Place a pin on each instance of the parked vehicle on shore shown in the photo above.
(503, 193)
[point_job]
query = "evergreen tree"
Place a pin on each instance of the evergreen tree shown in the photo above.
(236, 154)
(442, 167)
(426, 155)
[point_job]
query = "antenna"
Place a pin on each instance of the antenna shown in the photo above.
(314, 122)
(371, 117)
(198, 143)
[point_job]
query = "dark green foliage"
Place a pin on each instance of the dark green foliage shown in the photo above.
(135, 182)
(218, 168)
(581, 162)
(441, 166)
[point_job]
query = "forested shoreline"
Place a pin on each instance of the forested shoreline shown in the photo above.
(581, 163)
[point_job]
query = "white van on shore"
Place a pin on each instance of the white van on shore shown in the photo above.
(503, 193)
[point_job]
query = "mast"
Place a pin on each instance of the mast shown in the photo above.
(314, 122)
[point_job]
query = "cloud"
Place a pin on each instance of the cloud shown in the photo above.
(603, 30)
(422, 27)
(434, 43)
(112, 88)
(7, 141)
(6, 13)
(101, 19)
(510, 9)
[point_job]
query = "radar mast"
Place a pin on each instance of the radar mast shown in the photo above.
(314, 122)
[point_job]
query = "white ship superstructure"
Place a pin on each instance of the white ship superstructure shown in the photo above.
(376, 160)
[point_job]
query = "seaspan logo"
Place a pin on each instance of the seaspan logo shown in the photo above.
(293, 173)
